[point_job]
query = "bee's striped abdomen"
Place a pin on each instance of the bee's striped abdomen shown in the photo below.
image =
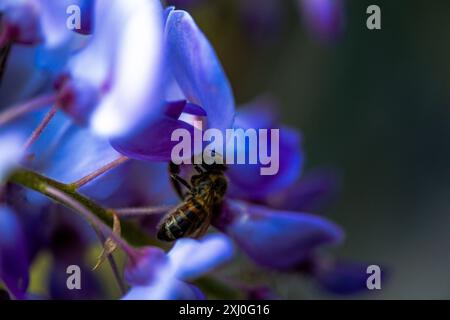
(184, 220)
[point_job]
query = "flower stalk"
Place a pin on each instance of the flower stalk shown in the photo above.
(85, 180)
(41, 127)
(44, 185)
(35, 104)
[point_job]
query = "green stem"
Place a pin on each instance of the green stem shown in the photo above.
(37, 182)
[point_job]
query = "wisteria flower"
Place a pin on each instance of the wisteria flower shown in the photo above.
(200, 79)
(203, 82)
(161, 276)
(273, 238)
(114, 81)
(99, 129)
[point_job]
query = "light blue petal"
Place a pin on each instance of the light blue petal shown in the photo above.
(53, 21)
(165, 289)
(123, 62)
(11, 150)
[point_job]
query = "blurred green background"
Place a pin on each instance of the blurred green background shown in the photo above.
(375, 105)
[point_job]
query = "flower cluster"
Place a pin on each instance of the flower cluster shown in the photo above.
(111, 94)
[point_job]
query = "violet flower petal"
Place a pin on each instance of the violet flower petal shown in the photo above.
(324, 18)
(261, 114)
(342, 277)
(13, 254)
(87, 16)
(276, 239)
(197, 69)
(246, 180)
(145, 271)
(315, 190)
(176, 108)
(158, 276)
(154, 143)
(69, 153)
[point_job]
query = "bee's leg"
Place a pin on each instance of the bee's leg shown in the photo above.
(177, 181)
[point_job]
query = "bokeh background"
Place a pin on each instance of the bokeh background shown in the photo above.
(375, 105)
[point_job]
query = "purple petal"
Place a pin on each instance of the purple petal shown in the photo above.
(167, 12)
(123, 62)
(158, 276)
(311, 193)
(244, 177)
(193, 258)
(21, 78)
(324, 18)
(13, 254)
(146, 269)
(342, 277)
(198, 71)
(8, 160)
(276, 239)
(136, 183)
(176, 108)
(154, 143)
(261, 114)
(87, 16)
(153, 277)
(195, 110)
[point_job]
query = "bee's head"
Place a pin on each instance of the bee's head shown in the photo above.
(220, 184)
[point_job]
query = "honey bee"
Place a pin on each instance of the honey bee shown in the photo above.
(205, 194)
